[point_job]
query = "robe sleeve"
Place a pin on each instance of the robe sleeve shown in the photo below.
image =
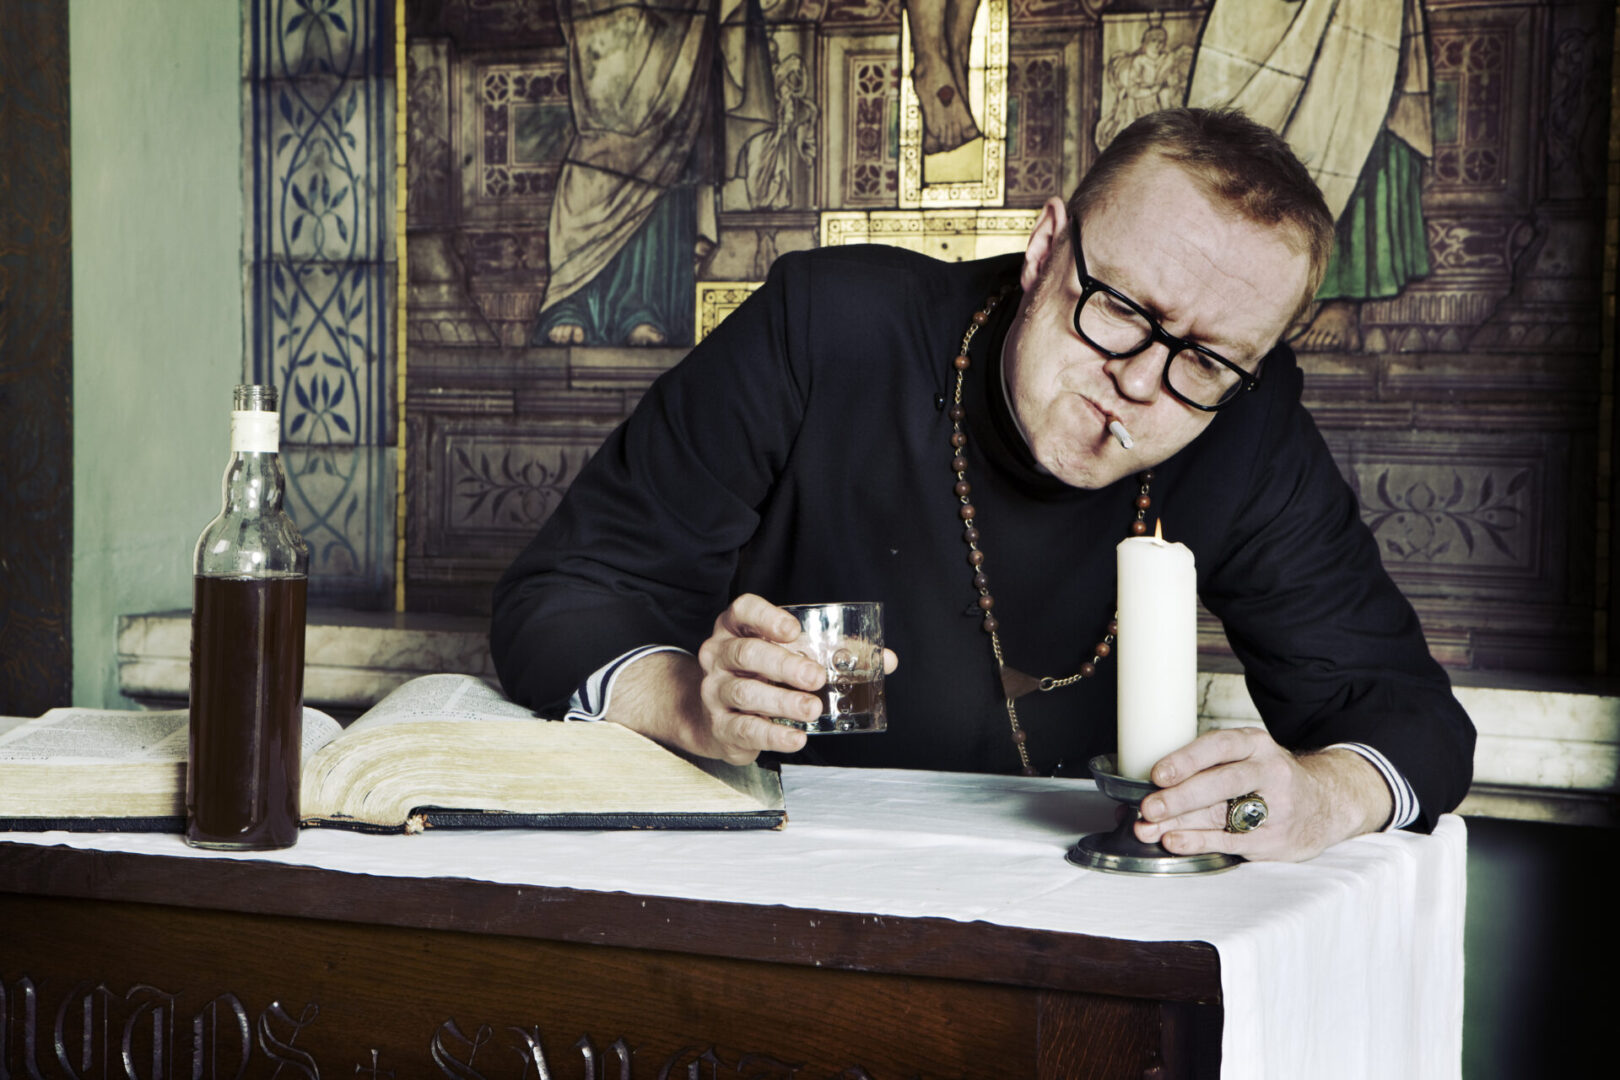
(1331, 649)
(643, 548)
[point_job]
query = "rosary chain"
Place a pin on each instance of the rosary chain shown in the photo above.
(968, 513)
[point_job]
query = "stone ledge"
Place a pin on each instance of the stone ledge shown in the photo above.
(1544, 754)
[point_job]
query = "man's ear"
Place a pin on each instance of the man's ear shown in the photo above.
(1043, 242)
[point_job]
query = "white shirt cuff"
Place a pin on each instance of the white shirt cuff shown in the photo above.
(590, 701)
(1406, 804)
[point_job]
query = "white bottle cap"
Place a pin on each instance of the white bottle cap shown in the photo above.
(255, 433)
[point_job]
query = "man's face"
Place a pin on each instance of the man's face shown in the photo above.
(1208, 276)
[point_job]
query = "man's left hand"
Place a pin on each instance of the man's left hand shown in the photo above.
(1314, 799)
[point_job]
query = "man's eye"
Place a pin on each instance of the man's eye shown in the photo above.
(1114, 309)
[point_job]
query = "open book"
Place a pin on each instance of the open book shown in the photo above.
(440, 751)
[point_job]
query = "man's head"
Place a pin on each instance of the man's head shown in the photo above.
(1201, 224)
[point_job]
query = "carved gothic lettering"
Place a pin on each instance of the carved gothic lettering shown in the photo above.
(82, 1029)
(453, 1052)
(26, 1022)
(156, 1012)
(594, 1066)
(370, 1072)
(531, 1053)
(282, 1050)
(220, 1050)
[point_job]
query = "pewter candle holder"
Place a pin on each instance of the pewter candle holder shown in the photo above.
(1120, 852)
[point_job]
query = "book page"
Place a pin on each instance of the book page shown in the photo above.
(442, 697)
(92, 736)
(102, 736)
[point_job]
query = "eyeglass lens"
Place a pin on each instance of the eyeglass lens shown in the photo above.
(1115, 327)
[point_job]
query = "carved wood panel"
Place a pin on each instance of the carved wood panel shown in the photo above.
(93, 989)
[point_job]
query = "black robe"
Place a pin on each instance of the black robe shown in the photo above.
(802, 452)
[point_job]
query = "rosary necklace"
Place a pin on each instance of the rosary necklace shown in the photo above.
(1014, 683)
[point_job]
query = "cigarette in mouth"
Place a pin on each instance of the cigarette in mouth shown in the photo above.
(1117, 429)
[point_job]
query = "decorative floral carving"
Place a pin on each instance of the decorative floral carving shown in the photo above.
(1419, 523)
(527, 492)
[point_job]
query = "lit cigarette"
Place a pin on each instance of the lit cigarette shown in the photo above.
(1117, 429)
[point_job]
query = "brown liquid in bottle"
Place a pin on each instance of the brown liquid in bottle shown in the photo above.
(247, 683)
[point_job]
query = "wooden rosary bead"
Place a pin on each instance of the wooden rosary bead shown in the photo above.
(970, 534)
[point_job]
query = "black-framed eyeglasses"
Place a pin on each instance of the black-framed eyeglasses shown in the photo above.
(1118, 327)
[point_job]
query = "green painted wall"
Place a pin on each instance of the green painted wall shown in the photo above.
(157, 305)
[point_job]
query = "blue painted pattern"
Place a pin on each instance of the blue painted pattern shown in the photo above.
(318, 139)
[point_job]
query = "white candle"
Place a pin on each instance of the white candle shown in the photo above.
(1158, 652)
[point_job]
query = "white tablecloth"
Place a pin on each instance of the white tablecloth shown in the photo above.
(1350, 965)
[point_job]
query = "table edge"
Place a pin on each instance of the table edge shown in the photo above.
(1183, 971)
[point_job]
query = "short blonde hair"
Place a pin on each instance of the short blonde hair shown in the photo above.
(1239, 162)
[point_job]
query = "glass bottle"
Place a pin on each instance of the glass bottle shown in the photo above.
(251, 576)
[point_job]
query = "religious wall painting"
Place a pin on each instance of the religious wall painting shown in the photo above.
(1148, 57)
(1504, 208)
(773, 167)
(1348, 86)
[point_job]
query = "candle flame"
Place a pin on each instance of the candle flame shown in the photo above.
(1158, 528)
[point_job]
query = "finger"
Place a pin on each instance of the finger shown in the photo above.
(750, 734)
(767, 660)
(754, 616)
(1200, 841)
(1210, 788)
(890, 661)
(1208, 817)
(759, 698)
(1208, 750)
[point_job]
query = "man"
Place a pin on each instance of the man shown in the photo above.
(827, 442)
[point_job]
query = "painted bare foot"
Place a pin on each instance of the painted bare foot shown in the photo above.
(947, 123)
(645, 334)
(1336, 328)
(566, 334)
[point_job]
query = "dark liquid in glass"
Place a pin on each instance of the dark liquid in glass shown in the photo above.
(247, 689)
(851, 703)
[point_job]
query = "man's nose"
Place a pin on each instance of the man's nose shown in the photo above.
(1138, 377)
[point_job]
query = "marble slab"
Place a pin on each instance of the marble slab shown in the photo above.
(352, 658)
(1544, 754)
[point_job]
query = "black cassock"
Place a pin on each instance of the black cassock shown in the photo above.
(802, 452)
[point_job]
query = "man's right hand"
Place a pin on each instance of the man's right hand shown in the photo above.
(720, 704)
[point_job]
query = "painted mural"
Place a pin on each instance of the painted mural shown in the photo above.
(591, 187)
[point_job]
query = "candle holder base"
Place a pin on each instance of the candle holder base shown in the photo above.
(1120, 852)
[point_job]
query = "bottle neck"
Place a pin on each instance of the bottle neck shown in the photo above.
(254, 483)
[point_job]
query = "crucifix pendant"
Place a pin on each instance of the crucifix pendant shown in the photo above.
(1015, 684)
